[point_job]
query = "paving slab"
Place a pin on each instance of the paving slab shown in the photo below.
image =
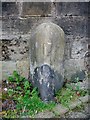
(60, 110)
(85, 98)
(74, 104)
(76, 115)
(45, 114)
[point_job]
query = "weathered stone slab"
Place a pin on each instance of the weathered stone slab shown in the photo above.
(0, 50)
(46, 59)
(85, 98)
(73, 25)
(83, 85)
(77, 115)
(87, 108)
(36, 8)
(47, 81)
(15, 49)
(87, 63)
(0, 72)
(74, 68)
(21, 26)
(23, 67)
(76, 47)
(60, 110)
(74, 104)
(0, 28)
(9, 8)
(0, 8)
(72, 8)
(88, 28)
(79, 48)
(15, 26)
(45, 114)
(47, 47)
(9, 66)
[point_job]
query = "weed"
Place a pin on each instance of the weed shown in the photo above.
(26, 98)
(79, 108)
(70, 93)
(27, 101)
(65, 95)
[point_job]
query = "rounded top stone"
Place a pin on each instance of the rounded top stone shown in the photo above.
(50, 28)
(47, 46)
(49, 24)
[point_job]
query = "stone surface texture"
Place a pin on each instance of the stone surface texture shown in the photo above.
(60, 110)
(45, 114)
(0, 72)
(47, 47)
(36, 8)
(76, 115)
(47, 81)
(14, 50)
(79, 113)
(20, 19)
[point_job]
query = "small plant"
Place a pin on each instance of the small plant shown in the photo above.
(70, 93)
(25, 96)
(79, 108)
(27, 100)
(65, 95)
(76, 88)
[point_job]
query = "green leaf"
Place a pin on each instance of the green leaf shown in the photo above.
(21, 79)
(11, 79)
(26, 85)
(77, 79)
(15, 74)
(28, 92)
(10, 92)
(77, 87)
(24, 97)
(34, 91)
(18, 88)
(17, 80)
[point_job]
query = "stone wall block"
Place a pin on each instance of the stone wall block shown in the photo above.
(79, 48)
(9, 9)
(0, 72)
(0, 8)
(15, 49)
(72, 8)
(23, 67)
(0, 50)
(36, 8)
(73, 25)
(74, 68)
(7, 69)
(14, 26)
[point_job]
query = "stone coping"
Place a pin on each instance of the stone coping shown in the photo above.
(60, 110)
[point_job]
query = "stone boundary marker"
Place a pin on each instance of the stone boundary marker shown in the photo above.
(60, 110)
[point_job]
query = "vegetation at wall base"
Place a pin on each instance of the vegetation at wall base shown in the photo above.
(24, 101)
(70, 93)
